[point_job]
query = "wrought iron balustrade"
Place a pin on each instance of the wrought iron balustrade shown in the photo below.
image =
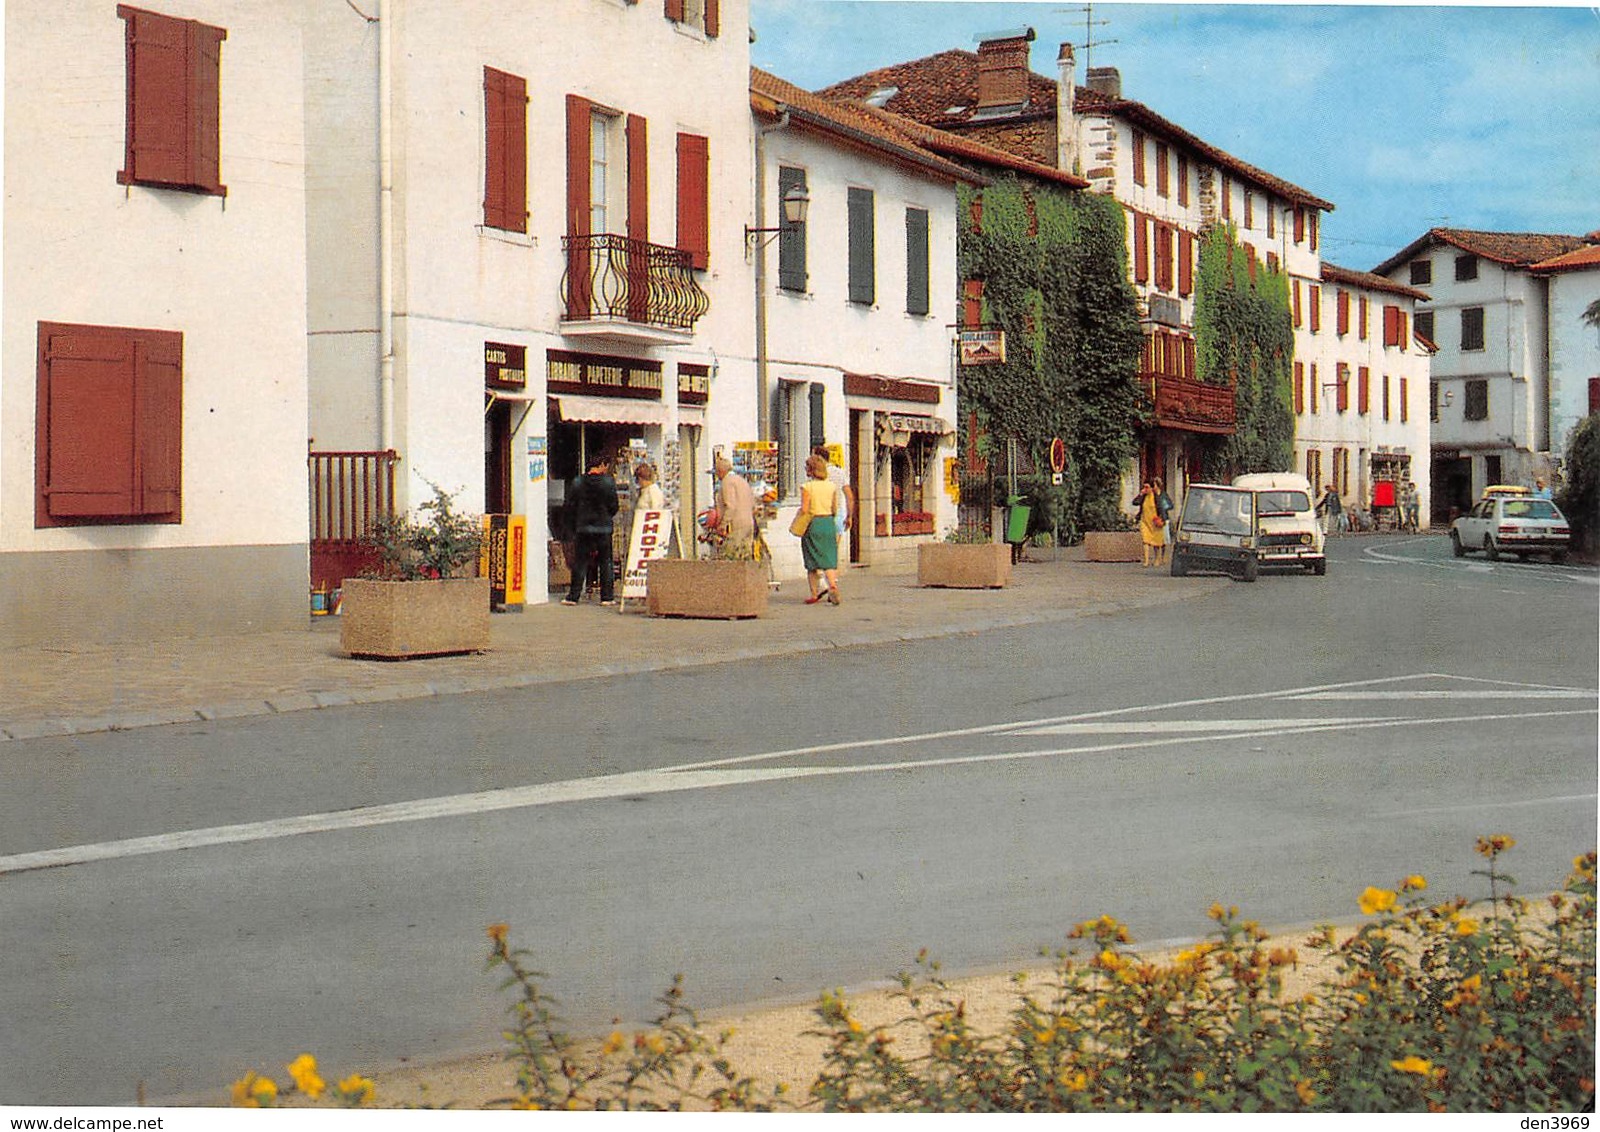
(616, 279)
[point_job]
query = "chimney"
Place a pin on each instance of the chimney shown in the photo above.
(1003, 68)
(1066, 124)
(1106, 81)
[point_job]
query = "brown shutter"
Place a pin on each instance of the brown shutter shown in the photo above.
(1299, 387)
(1141, 249)
(1363, 390)
(694, 200)
(1185, 263)
(1227, 199)
(972, 303)
(1391, 325)
(713, 18)
(1314, 298)
(1138, 158)
(1190, 368)
(674, 10)
(638, 180)
(157, 137)
(579, 286)
(1297, 319)
(1299, 224)
(1183, 180)
(204, 64)
(1343, 302)
(1363, 318)
(86, 399)
(1313, 384)
(505, 177)
(158, 424)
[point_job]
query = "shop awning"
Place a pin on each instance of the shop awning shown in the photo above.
(915, 422)
(510, 397)
(611, 410)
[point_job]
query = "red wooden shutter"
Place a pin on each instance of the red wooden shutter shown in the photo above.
(1362, 321)
(1313, 223)
(1297, 319)
(694, 200)
(495, 160)
(579, 286)
(1227, 199)
(972, 303)
(1405, 406)
(1391, 325)
(205, 105)
(1190, 366)
(674, 10)
(158, 423)
(1163, 234)
(1141, 249)
(157, 136)
(638, 180)
(1185, 263)
(1314, 299)
(1313, 384)
(1183, 180)
(1342, 379)
(1299, 387)
(1363, 390)
(1342, 302)
(1138, 158)
(1299, 224)
(713, 18)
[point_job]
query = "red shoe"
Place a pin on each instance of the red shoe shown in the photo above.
(813, 599)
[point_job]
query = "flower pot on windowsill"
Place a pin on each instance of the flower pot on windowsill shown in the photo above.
(394, 620)
(964, 565)
(1113, 546)
(706, 587)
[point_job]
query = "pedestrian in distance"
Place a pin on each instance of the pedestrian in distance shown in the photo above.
(1331, 509)
(847, 494)
(592, 506)
(1541, 490)
(649, 496)
(1164, 508)
(1152, 533)
(819, 544)
(736, 513)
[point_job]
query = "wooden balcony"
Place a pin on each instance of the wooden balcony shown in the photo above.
(1190, 405)
(615, 287)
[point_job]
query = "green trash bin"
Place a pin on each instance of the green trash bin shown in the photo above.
(1017, 516)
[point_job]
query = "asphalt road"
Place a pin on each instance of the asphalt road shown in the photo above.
(180, 904)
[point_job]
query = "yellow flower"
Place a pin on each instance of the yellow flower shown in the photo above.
(1044, 1037)
(1413, 1064)
(1495, 845)
(1199, 1078)
(497, 933)
(358, 1089)
(1375, 900)
(304, 1071)
(1466, 926)
(613, 1044)
(1075, 1082)
(1304, 1090)
(1472, 983)
(251, 1091)
(1413, 883)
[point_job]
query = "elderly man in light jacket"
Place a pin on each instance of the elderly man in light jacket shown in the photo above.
(736, 512)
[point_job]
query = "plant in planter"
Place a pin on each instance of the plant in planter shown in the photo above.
(967, 559)
(421, 601)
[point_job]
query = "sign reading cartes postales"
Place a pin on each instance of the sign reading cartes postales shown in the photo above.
(505, 366)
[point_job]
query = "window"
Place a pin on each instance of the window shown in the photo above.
(1342, 378)
(1492, 474)
(694, 199)
(703, 15)
(172, 134)
(1314, 469)
(798, 427)
(916, 261)
(1421, 272)
(1477, 402)
(1138, 158)
(1272, 219)
(863, 254)
(1466, 268)
(1164, 250)
(792, 237)
(1424, 324)
(600, 179)
(505, 165)
(109, 427)
(1472, 328)
(1299, 224)
(1163, 184)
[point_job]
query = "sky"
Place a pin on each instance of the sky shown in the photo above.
(1404, 117)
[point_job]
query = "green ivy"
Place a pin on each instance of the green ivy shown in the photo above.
(1055, 270)
(1244, 338)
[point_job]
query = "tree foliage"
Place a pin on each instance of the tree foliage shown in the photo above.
(1055, 272)
(1244, 338)
(1579, 499)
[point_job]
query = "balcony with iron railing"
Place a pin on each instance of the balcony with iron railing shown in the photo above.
(616, 287)
(1191, 405)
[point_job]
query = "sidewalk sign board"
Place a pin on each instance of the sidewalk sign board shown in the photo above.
(653, 536)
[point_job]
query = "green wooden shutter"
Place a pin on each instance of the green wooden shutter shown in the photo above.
(791, 240)
(916, 261)
(863, 250)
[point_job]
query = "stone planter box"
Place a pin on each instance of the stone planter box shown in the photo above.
(384, 620)
(1113, 546)
(693, 587)
(964, 565)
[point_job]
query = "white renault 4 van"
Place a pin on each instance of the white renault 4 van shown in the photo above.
(1217, 531)
(1287, 530)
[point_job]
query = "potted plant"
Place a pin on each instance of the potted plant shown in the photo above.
(421, 600)
(966, 559)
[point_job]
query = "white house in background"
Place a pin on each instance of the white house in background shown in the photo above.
(1573, 280)
(1492, 385)
(855, 342)
(558, 268)
(153, 380)
(1360, 376)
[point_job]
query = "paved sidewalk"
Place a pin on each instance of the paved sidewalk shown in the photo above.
(72, 690)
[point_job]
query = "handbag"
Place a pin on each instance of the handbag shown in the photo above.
(1160, 522)
(802, 520)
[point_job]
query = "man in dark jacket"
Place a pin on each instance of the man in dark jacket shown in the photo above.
(591, 505)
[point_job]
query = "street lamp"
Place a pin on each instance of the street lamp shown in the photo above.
(795, 205)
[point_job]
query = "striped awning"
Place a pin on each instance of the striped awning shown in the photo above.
(915, 422)
(611, 410)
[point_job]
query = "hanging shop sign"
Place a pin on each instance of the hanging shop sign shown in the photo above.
(505, 366)
(653, 536)
(694, 383)
(601, 375)
(981, 347)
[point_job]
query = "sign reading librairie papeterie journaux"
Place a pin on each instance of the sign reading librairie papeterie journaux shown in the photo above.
(602, 375)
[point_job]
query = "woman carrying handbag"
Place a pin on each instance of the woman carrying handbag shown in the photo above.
(818, 530)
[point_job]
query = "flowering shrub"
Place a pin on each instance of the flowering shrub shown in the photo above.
(1432, 1006)
(255, 1091)
(437, 543)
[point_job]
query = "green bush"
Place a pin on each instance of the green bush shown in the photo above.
(1579, 497)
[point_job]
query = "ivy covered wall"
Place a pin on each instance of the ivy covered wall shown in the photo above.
(1055, 273)
(1243, 336)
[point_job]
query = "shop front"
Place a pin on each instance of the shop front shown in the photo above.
(907, 493)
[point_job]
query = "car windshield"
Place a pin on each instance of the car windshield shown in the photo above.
(1212, 509)
(1528, 509)
(1282, 502)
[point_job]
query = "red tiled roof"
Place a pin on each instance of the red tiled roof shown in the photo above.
(1513, 249)
(942, 91)
(972, 150)
(1333, 273)
(858, 125)
(1576, 260)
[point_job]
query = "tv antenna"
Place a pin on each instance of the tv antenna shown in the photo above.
(1089, 41)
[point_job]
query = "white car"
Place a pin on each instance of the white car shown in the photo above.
(1512, 524)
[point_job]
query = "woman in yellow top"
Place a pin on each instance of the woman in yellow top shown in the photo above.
(1151, 522)
(819, 546)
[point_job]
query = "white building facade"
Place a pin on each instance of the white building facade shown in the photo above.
(153, 403)
(1573, 287)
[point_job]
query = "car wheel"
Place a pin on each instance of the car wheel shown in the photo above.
(1250, 570)
(1521, 555)
(1319, 567)
(1490, 550)
(1455, 545)
(1559, 557)
(1180, 566)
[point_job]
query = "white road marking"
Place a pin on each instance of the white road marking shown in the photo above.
(1560, 800)
(614, 786)
(1187, 726)
(1454, 694)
